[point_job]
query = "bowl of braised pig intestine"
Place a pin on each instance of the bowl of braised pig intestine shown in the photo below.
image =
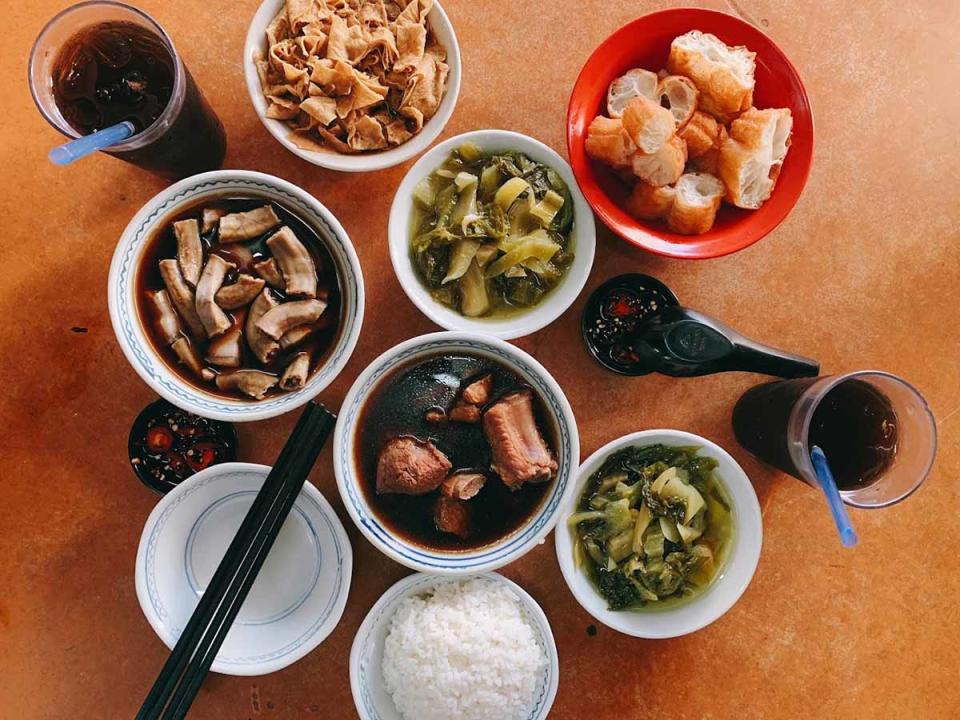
(690, 133)
(454, 452)
(355, 86)
(236, 295)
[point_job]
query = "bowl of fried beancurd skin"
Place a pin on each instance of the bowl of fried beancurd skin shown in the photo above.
(134, 322)
(441, 31)
(645, 43)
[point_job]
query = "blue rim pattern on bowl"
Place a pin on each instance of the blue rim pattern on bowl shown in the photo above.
(161, 612)
(451, 561)
(127, 310)
(191, 574)
(541, 705)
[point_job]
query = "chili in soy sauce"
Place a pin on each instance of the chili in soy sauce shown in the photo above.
(167, 445)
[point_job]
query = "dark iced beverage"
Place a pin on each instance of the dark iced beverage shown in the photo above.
(854, 424)
(96, 65)
(111, 72)
(761, 417)
(875, 429)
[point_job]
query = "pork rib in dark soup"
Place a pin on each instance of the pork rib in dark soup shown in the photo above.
(455, 451)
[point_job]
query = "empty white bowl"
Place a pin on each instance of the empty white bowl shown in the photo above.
(366, 676)
(731, 579)
(521, 322)
(298, 596)
(455, 562)
(363, 162)
(122, 288)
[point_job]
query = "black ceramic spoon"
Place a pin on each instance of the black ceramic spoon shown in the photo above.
(634, 325)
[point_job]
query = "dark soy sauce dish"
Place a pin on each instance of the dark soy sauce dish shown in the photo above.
(614, 313)
(167, 445)
(455, 451)
(240, 297)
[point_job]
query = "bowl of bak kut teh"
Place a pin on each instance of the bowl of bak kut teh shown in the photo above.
(454, 452)
(690, 133)
(236, 295)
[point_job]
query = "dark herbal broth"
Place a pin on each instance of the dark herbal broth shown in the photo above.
(163, 245)
(119, 71)
(397, 406)
(856, 427)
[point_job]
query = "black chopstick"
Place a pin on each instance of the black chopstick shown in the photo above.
(305, 441)
(180, 655)
(227, 612)
(290, 470)
(183, 650)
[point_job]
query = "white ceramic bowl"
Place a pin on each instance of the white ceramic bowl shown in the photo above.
(521, 323)
(298, 596)
(366, 677)
(122, 288)
(727, 586)
(480, 559)
(364, 162)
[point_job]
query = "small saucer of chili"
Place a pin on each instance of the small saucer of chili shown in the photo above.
(615, 312)
(167, 445)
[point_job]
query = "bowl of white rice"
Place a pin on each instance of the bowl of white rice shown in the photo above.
(440, 648)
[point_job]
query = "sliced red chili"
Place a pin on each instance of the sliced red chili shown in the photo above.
(159, 439)
(622, 304)
(624, 355)
(202, 455)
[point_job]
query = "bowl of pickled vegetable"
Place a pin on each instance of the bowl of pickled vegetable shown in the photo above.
(489, 233)
(662, 535)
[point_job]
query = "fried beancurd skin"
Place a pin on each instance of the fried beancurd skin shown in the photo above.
(352, 77)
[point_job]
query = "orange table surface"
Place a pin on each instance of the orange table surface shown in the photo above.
(865, 273)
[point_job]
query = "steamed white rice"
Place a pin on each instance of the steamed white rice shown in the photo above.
(466, 652)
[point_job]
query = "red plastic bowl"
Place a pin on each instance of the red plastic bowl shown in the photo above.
(645, 42)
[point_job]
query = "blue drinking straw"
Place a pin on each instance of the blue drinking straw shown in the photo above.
(848, 536)
(83, 146)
